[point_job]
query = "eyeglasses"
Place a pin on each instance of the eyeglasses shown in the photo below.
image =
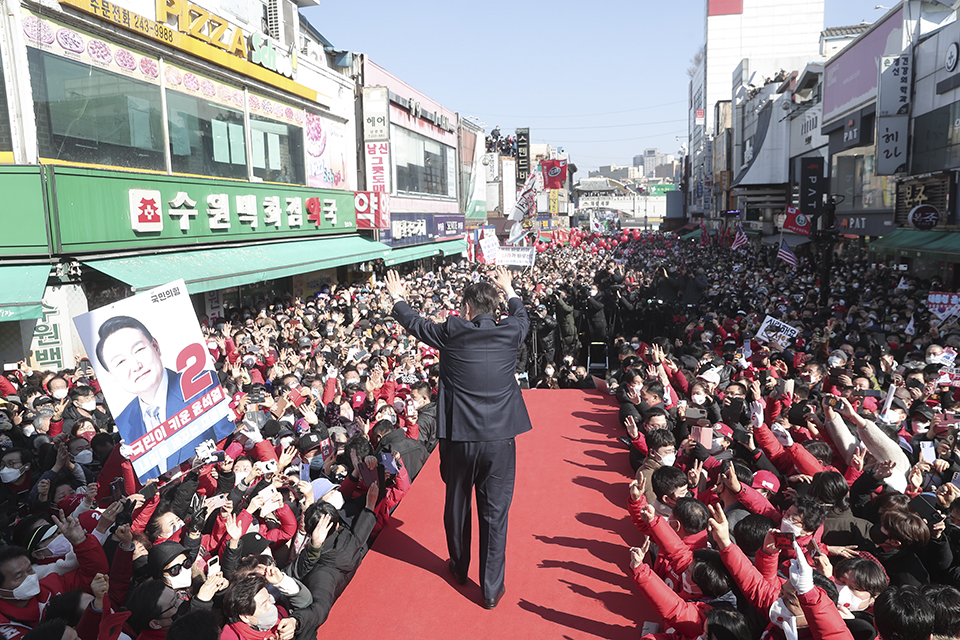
(11, 465)
(177, 568)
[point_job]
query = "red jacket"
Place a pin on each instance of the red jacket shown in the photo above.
(687, 618)
(822, 615)
(676, 553)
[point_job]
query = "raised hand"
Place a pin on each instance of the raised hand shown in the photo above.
(637, 554)
(719, 526)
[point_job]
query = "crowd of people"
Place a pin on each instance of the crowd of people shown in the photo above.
(498, 143)
(804, 490)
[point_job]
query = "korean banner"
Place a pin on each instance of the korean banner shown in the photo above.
(517, 256)
(797, 222)
(490, 247)
(941, 302)
(525, 209)
(157, 376)
(772, 330)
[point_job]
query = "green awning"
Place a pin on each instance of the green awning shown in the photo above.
(409, 254)
(452, 247)
(691, 236)
(940, 246)
(212, 269)
(22, 291)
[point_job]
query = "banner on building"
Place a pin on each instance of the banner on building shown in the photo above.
(523, 154)
(812, 185)
(373, 209)
(157, 376)
(892, 132)
(773, 330)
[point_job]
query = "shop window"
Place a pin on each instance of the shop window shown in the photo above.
(276, 150)
(423, 165)
(6, 141)
(89, 115)
(206, 138)
(853, 176)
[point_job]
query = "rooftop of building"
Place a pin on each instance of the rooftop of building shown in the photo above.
(842, 32)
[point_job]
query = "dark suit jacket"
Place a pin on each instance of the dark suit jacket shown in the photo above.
(131, 426)
(478, 399)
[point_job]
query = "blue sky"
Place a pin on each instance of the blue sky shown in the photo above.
(602, 79)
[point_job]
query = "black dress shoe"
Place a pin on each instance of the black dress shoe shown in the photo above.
(491, 603)
(456, 576)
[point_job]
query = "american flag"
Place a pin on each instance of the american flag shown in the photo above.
(786, 254)
(740, 239)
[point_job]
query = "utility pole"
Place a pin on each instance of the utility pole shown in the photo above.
(825, 239)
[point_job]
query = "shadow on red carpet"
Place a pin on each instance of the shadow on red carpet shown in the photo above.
(567, 546)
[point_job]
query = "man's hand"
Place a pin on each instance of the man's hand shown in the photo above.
(719, 526)
(503, 279)
(631, 424)
(648, 514)
(695, 473)
(71, 529)
(286, 629)
(232, 526)
(43, 488)
(124, 535)
(885, 469)
(638, 553)
(322, 530)
(731, 480)
(372, 494)
(273, 575)
(395, 284)
(859, 455)
(636, 491)
(99, 588)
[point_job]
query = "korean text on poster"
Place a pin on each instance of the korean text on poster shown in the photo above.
(157, 376)
(517, 256)
(772, 330)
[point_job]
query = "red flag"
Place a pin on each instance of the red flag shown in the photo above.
(797, 222)
(554, 173)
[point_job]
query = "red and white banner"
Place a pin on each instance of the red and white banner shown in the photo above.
(554, 173)
(797, 222)
(373, 209)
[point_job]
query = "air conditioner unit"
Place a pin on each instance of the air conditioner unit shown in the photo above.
(274, 19)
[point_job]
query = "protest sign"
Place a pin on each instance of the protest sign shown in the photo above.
(489, 246)
(157, 376)
(949, 376)
(517, 256)
(772, 330)
(525, 209)
(940, 302)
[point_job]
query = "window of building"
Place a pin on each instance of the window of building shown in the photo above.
(6, 141)
(423, 165)
(206, 138)
(276, 150)
(853, 176)
(86, 114)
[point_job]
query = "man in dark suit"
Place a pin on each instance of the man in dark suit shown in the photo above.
(130, 353)
(480, 411)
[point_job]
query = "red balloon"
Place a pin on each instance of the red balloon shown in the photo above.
(636, 234)
(593, 249)
(614, 242)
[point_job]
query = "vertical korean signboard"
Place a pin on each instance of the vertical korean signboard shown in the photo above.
(523, 155)
(812, 186)
(893, 113)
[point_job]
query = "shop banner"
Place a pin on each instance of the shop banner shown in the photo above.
(408, 229)
(157, 377)
(99, 209)
(772, 330)
(448, 226)
(326, 142)
(517, 256)
(377, 163)
(54, 343)
(373, 209)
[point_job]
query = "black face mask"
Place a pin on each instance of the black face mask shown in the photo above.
(877, 535)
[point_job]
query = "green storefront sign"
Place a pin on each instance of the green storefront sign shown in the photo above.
(97, 210)
(22, 214)
(661, 189)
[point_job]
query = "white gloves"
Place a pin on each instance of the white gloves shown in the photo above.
(801, 573)
(782, 435)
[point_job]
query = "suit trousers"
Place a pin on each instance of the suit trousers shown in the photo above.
(491, 468)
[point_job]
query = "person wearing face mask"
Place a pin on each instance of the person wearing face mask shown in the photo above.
(385, 438)
(154, 607)
(425, 410)
(23, 595)
(252, 614)
(860, 580)
(83, 405)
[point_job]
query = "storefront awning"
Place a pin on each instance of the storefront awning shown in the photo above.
(22, 291)
(928, 245)
(452, 247)
(409, 254)
(212, 269)
(793, 239)
(696, 234)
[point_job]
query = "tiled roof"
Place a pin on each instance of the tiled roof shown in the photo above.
(852, 30)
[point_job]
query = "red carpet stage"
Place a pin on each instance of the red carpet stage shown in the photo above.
(566, 552)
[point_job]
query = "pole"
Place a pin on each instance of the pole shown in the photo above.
(825, 239)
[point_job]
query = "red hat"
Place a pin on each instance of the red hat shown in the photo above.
(723, 430)
(89, 520)
(358, 399)
(234, 450)
(764, 479)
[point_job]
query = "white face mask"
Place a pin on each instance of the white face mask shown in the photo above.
(268, 620)
(9, 475)
(698, 398)
(717, 446)
(846, 598)
(59, 394)
(240, 476)
(180, 581)
(548, 372)
(781, 616)
(89, 406)
(335, 498)
(59, 547)
(929, 360)
(787, 526)
(84, 457)
(668, 459)
(688, 586)
(28, 588)
(920, 427)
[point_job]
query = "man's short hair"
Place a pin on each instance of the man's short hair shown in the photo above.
(750, 533)
(946, 609)
(144, 604)
(239, 597)
(483, 297)
(812, 512)
(115, 324)
(654, 387)
(659, 438)
(199, 624)
(691, 514)
(865, 573)
(666, 480)
(11, 553)
(315, 511)
(903, 613)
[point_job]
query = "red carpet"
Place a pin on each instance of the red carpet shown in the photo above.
(567, 546)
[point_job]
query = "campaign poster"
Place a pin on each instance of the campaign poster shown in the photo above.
(772, 330)
(517, 256)
(157, 377)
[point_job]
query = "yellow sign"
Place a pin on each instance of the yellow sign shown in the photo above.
(219, 54)
(554, 201)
